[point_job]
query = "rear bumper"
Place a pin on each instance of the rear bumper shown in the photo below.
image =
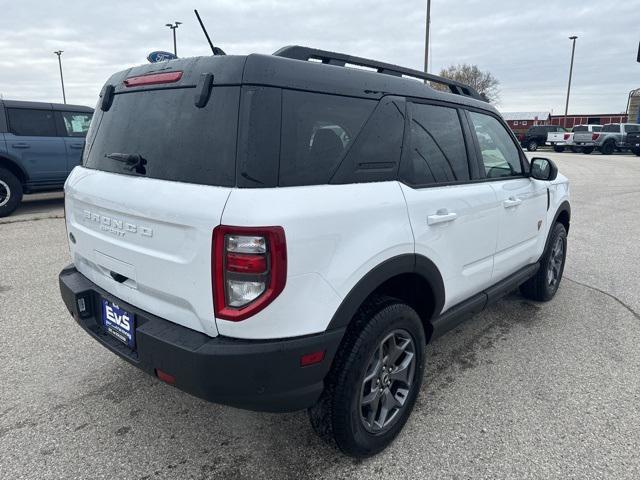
(263, 375)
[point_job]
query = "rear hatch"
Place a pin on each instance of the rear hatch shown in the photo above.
(584, 137)
(157, 170)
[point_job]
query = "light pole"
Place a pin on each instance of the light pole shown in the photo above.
(426, 40)
(173, 27)
(573, 51)
(59, 53)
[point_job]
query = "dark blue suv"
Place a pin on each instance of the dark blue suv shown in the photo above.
(40, 143)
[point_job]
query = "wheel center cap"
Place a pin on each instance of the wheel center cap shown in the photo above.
(385, 379)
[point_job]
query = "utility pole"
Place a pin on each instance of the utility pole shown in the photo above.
(59, 53)
(173, 27)
(426, 40)
(573, 51)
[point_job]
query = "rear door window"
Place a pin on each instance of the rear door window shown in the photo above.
(31, 122)
(76, 124)
(178, 140)
(437, 151)
(632, 128)
(317, 131)
(611, 128)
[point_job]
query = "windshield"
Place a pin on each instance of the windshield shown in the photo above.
(177, 140)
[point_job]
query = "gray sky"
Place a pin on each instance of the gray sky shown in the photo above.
(524, 44)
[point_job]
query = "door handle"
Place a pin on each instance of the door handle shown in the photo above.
(512, 202)
(441, 216)
(76, 145)
(20, 145)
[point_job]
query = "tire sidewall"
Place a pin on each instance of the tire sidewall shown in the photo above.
(558, 231)
(608, 148)
(350, 434)
(15, 192)
(532, 146)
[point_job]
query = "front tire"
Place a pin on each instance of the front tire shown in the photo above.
(532, 146)
(374, 380)
(637, 151)
(10, 192)
(544, 284)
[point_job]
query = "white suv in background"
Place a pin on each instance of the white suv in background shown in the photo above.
(280, 232)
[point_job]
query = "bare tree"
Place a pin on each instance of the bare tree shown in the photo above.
(484, 82)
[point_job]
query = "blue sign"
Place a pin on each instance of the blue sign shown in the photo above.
(160, 56)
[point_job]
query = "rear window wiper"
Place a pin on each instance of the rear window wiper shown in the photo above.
(134, 161)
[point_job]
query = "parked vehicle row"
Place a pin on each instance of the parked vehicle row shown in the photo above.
(612, 137)
(40, 143)
(560, 140)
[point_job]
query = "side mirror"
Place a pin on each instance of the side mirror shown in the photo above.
(543, 169)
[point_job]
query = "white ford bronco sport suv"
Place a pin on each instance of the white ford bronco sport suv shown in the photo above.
(281, 232)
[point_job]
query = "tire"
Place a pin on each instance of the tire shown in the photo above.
(587, 150)
(10, 192)
(608, 148)
(544, 284)
(637, 151)
(344, 415)
(558, 149)
(576, 149)
(532, 145)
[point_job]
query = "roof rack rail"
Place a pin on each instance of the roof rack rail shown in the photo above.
(340, 59)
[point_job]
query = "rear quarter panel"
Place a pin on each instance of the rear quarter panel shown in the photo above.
(335, 235)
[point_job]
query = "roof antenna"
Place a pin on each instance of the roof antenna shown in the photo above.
(215, 50)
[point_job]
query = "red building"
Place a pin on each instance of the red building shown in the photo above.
(520, 122)
(586, 119)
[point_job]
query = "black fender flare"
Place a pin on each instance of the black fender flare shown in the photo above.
(564, 207)
(6, 158)
(406, 263)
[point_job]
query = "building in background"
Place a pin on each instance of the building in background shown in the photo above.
(588, 118)
(633, 106)
(520, 122)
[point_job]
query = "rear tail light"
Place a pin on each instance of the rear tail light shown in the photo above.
(566, 136)
(595, 136)
(249, 269)
(153, 79)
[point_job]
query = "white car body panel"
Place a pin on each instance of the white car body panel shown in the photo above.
(168, 265)
(335, 235)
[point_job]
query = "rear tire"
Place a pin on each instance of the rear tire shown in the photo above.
(10, 192)
(558, 149)
(379, 366)
(532, 146)
(544, 284)
(576, 149)
(608, 148)
(637, 151)
(587, 150)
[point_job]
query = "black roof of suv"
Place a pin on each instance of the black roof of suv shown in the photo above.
(225, 117)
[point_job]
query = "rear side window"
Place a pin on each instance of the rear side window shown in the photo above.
(437, 152)
(178, 140)
(31, 122)
(317, 130)
(76, 124)
(612, 127)
(597, 128)
(632, 128)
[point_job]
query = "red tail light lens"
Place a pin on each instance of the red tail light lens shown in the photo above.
(249, 269)
(595, 136)
(153, 79)
(566, 136)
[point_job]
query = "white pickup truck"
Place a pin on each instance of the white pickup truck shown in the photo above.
(560, 140)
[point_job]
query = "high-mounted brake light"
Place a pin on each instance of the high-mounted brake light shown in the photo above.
(595, 136)
(153, 79)
(249, 269)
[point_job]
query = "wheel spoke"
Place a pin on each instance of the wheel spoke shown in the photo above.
(397, 349)
(401, 373)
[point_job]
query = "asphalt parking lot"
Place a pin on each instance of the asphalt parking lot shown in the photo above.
(523, 390)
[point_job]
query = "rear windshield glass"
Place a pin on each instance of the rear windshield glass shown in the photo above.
(612, 127)
(581, 128)
(179, 141)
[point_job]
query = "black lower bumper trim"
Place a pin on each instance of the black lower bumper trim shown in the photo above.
(262, 375)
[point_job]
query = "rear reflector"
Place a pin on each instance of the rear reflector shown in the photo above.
(165, 377)
(245, 263)
(153, 79)
(311, 358)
